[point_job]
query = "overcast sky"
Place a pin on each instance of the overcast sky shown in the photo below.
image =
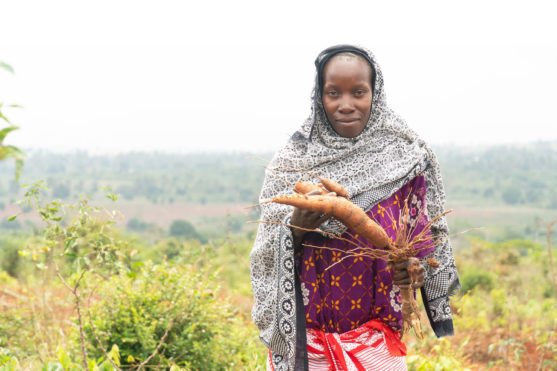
(115, 76)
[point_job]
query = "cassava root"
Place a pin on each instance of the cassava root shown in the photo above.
(404, 246)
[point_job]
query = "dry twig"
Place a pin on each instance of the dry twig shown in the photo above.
(170, 324)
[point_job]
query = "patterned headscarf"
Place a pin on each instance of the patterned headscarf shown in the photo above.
(371, 166)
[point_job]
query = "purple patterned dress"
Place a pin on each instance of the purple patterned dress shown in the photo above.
(358, 289)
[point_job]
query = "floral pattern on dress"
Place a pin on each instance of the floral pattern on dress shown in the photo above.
(305, 293)
(396, 300)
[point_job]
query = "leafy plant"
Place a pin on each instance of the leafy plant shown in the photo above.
(7, 151)
(444, 358)
(77, 244)
(182, 228)
(473, 278)
(173, 311)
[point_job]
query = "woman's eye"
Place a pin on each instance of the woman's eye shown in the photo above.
(359, 93)
(332, 93)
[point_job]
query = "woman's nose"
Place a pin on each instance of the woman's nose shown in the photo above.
(346, 105)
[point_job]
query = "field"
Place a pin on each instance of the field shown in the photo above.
(165, 278)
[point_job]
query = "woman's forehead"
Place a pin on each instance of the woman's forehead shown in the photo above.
(347, 66)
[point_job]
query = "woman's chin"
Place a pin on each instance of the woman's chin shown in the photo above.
(348, 130)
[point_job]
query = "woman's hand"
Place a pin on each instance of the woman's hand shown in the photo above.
(306, 219)
(408, 272)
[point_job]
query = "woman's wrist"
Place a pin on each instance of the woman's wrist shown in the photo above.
(297, 237)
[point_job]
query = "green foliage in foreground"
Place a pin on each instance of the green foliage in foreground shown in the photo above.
(444, 358)
(136, 311)
(8, 151)
(130, 311)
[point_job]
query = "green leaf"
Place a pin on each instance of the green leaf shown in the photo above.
(4, 117)
(11, 218)
(11, 152)
(5, 131)
(112, 197)
(63, 358)
(93, 365)
(7, 67)
(114, 354)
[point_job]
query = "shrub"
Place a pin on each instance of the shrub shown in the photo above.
(135, 312)
(512, 195)
(182, 228)
(6, 279)
(10, 259)
(473, 278)
(137, 225)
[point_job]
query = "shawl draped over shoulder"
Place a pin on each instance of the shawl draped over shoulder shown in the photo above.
(371, 166)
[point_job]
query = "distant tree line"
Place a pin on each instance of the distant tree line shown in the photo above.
(157, 177)
(512, 175)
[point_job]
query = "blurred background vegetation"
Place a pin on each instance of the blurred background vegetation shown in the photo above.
(163, 249)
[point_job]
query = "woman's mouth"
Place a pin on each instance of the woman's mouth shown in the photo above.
(348, 121)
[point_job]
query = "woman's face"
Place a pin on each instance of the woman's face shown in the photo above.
(347, 94)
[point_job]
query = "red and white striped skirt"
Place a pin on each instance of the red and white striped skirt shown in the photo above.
(372, 346)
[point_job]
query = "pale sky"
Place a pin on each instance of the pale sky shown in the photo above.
(181, 76)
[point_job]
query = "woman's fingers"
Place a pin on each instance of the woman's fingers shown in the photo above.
(400, 276)
(419, 282)
(404, 264)
(308, 219)
(403, 281)
(408, 272)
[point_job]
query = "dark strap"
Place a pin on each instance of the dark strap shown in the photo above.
(301, 336)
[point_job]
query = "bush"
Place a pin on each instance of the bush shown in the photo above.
(135, 313)
(10, 259)
(6, 279)
(182, 228)
(473, 278)
(512, 195)
(137, 225)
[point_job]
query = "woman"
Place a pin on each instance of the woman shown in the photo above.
(347, 316)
